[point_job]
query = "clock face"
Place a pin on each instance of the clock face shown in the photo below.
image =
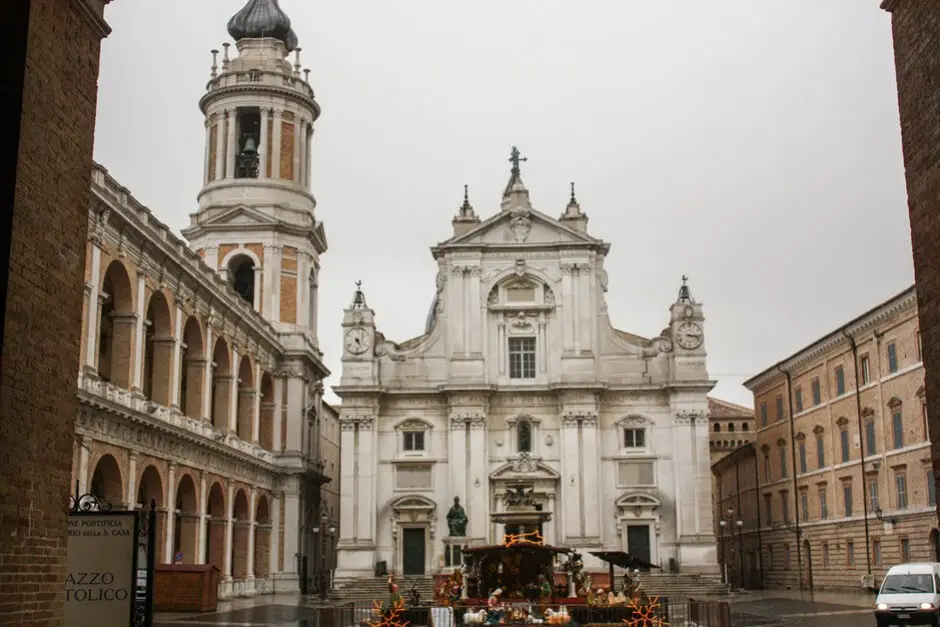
(689, 336)
(358, 341)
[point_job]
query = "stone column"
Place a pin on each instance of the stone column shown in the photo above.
(300, 299)
(84, 451)
(479, 481)
(201, 508)
(176, 363)
(171, 515)
(298, 125)
(278, 419)
(366, 480)
(252, 523)
(348, 497)
(256, 406)
(190, 534)
(208, 378)
(295, 413)
(301, 150)
(456, 311)
(233, 394)
(220, 147)
(272, 278)
(211, 256)
(131, 496)
(309, 140)
(684, 475)
(263, 145)
(207, 165)
(256, 295)
(138, 350)
(276, 148)
(591, 472)
(549, 527)
(569, 518)
(229, 532)
(231, 147)
(476, 312)
(457, 461)
(275, 551)
(91, 323)
(291, 531)
(568, 309)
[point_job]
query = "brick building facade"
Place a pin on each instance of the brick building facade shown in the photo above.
(916, 29)
(846, 487)
(48, 149)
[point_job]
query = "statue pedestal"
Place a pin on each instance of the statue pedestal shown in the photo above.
(453, 555)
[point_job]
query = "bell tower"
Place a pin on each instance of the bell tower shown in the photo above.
(256, 222)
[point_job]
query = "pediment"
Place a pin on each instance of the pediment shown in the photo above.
(533, 227)
(637, 499)
(524, 467)
(239, 216)
(413, 502)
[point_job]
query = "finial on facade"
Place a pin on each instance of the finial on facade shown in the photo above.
(685, 294)
(573, 199)
(307, 75)
(359, 299)
(225, 48)
(297, 61)
(215, 62)
(514, 158)
(466, 209)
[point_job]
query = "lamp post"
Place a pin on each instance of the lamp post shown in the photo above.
(322, 531)
(729, 520)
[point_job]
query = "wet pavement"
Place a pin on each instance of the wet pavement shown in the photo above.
(770, 608)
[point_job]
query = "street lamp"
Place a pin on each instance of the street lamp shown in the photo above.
(729, 520)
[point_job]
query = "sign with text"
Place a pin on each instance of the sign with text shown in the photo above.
(99, 585)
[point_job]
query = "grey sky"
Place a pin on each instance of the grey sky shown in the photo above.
(753, 144)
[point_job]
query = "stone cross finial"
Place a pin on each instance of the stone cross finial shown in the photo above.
(514, 158)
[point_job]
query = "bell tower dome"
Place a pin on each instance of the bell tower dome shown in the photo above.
(256, 220)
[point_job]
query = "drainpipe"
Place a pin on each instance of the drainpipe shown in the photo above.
(796, 508)
(760, 542)
(861, 445)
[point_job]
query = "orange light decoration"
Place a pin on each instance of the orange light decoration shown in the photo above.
(644, 614)
(533, 537)
(391, 618)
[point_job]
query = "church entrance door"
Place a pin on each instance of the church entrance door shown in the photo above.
(638, 541)
(413, 547)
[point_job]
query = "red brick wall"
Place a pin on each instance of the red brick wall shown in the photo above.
(43, 307)
(916, 28)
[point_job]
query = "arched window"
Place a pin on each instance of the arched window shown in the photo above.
(242, 272)
(717, 428)
(524, 436)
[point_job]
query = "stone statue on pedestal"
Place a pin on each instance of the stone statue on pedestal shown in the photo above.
(457, 519)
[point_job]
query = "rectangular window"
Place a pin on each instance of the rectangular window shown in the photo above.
(520, 294)
(840, 380)
(847, 499)
(783, 462)
(931, 488)
(873, 502)
(769, 508)
(522, 358)
(804, 506)
(870, 446)
(900, 482)
(823, 505)
(897, 428)
(802, 456)
(826, 554)
(905, 550)
(865, 367)
(636, 474)
(785, 506)
(892, 358)
(766, 468)
(876, 551)
(817, 392)
(634, 438)
(798, 399)
(820, 452)
(850, 553)
(413, 440)
(779, 408)
(763, 414)
(844, 443)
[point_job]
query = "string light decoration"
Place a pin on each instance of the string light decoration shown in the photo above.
(390, 617)
(645, 614)
(532, 537)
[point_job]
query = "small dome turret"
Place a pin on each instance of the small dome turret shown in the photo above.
(262, 18)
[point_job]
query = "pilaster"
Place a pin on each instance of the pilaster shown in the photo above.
(201, 557)
(131, 497)
(176, 363)
(263, 144)
(231, 146)
(207, 378)
(229, 531)
(276, 148)
(170, 526)
(91, 323)
(138, 361)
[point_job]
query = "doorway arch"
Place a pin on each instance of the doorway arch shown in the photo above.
(934, 539)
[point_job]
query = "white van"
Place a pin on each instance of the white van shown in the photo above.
(909, 595)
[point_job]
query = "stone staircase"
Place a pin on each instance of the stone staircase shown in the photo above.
(679, 586)
(366, 589)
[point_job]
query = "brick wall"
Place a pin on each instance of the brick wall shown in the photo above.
(916, 28)
(43, 307)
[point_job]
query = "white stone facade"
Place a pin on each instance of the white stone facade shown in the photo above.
(520, 379)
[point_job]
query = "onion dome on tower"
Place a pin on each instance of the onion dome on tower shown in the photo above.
(262, 18)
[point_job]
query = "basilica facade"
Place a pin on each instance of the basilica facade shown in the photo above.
(521, 380)
(201, 384)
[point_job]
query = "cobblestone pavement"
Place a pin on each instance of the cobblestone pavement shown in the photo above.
(760, 609)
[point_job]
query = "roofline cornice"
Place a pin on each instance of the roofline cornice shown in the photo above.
(904, 301)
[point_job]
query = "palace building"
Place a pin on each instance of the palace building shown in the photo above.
(521, 380)
(844, 485)
(201, 379)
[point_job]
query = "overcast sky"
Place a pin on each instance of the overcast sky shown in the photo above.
(753, 144)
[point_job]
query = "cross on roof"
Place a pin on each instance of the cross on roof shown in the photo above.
(514, 158)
